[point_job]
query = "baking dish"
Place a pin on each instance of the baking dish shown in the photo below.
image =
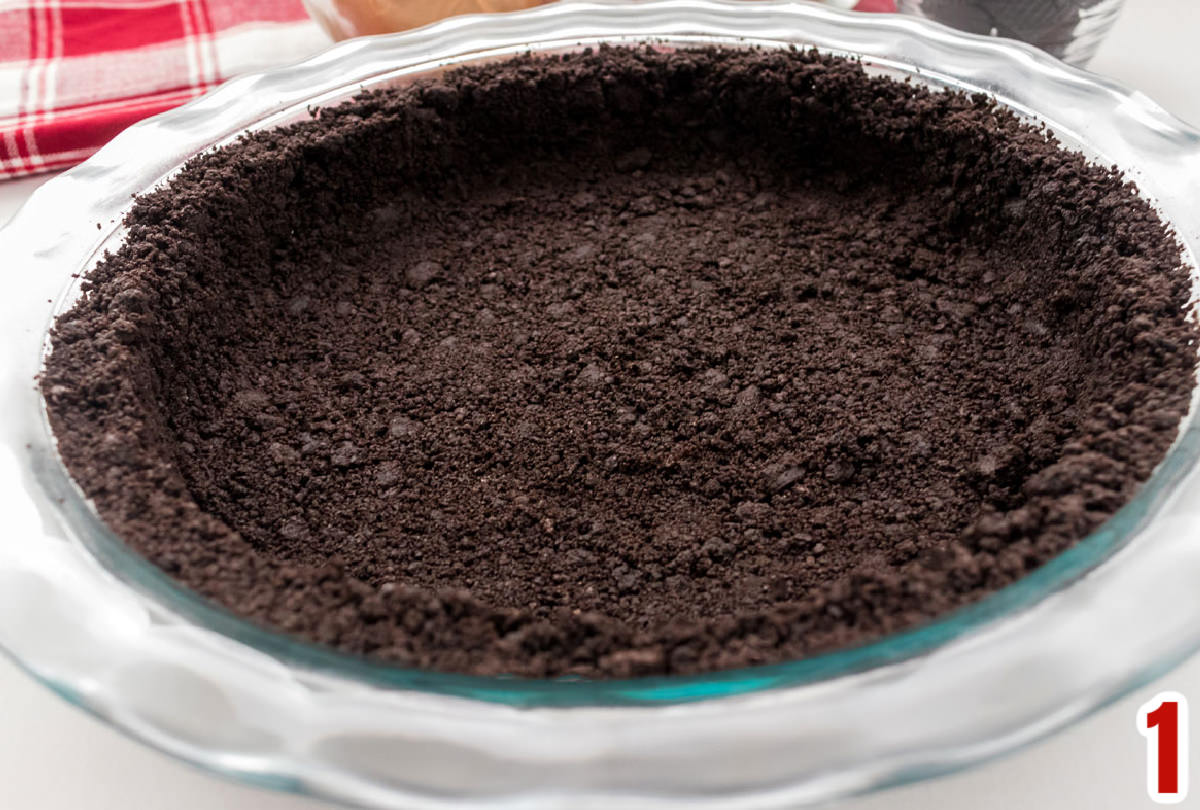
(116, 636)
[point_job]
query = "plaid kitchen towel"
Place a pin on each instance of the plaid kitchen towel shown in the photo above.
(74, 73)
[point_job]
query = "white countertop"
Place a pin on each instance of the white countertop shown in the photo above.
(55, 757)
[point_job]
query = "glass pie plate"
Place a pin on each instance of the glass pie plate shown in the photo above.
(112, 634)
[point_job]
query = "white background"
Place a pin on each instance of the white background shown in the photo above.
(54, 757)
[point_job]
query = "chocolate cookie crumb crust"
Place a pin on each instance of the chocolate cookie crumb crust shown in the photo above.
(624, 363)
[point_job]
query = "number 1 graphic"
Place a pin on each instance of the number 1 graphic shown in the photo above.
(1163, 721)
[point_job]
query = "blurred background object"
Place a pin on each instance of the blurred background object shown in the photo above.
(353, 18)
(1069, 29)
(343, 19)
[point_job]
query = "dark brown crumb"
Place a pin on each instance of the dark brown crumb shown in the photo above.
(625, 363)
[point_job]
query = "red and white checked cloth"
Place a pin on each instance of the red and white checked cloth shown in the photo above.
(74, 73)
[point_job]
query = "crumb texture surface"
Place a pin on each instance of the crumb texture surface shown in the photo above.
(624, 363)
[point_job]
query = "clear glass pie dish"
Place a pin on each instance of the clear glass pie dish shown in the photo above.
(111, 633)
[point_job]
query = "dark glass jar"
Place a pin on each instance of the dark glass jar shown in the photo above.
(1069, 29)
